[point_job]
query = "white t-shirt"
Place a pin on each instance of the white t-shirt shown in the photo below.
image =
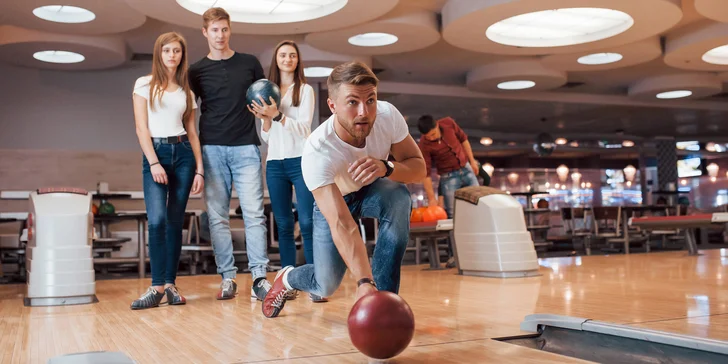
(286, 141)
(166, 119)
(326, 157)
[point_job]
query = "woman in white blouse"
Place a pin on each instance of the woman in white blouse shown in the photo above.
(285, 128)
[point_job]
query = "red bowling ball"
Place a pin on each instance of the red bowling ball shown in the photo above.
(381, 325)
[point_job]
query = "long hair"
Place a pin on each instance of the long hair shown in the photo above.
(299, 78)
(159, 81)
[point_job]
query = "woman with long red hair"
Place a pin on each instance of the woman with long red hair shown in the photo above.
(172, 161)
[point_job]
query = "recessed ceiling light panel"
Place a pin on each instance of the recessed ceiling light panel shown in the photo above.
(59, 57)
(674, 94)
(559, 27)
(718, 55)
(600, 58)
(268, 11)
(373, 39)
(516, 85)
(317, 71)
(64, 14)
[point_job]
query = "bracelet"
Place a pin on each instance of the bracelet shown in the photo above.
(154, 163)
(201, 175)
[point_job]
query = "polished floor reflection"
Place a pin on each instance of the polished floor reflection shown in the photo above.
(455, 315)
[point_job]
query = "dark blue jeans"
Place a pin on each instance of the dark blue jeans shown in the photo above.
(166, 206)
(282, 176)
(385, 200)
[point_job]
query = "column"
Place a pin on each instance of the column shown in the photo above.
(666, 167)
(593, 163)
(316, 114)
(642, 161)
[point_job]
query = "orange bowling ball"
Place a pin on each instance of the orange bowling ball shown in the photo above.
(440, 212)
(434, 213)
(416, 215)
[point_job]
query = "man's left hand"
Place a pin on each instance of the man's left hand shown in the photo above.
(367, 169)
(474, 166)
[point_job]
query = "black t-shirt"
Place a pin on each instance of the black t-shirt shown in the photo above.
(222, 84)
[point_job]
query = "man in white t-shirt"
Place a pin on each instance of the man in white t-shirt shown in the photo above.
(345, 166)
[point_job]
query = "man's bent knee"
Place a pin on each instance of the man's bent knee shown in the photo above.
(397, 199)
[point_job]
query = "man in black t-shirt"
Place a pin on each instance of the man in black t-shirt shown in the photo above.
(230, 152)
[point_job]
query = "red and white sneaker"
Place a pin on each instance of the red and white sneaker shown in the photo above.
(277, 295)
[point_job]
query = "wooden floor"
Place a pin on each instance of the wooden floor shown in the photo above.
(455, 316)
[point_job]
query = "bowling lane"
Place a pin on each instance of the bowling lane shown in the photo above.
(711, 326)
(452, 312)
(473, 351)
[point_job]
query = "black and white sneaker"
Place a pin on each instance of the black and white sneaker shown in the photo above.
(317, 299)
(259, 290)
(150, 298)
(228, 289)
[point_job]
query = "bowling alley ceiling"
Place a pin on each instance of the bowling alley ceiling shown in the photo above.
(635, 68)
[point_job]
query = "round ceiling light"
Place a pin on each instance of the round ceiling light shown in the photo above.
(64, 14)
(373, 39)
(717, 55)
(317, 71)
(268, 11)
(674, 94)
(559, 27)
(59, 57)
(516, 85)
(600, 58)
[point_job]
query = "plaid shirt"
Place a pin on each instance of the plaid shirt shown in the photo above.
(447, 153)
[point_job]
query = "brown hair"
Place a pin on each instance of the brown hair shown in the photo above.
(299, 78)
(351, 73)
(213, 15)
(159, 82)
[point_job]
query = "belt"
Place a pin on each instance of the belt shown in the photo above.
(171, 140)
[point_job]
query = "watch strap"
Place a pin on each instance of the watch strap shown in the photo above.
(278, 117)
(388, 167)
(365, 280)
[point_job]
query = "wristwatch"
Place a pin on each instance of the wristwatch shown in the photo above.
(366, 280)
(278, 117)
(390, 167)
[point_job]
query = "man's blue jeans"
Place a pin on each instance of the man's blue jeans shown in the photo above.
(242, 166)
(385, 200)
(165, 205)
(282, 176)
(451, 182)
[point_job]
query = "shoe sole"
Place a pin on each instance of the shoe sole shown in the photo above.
(143, 308)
